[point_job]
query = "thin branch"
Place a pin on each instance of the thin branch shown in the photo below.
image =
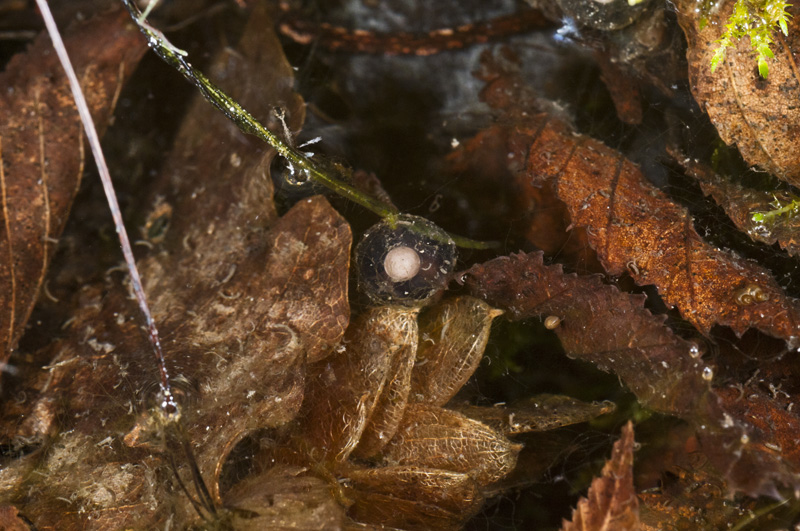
(299, 163)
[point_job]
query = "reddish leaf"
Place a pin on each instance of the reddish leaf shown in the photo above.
(741, 203)
(599, 324)
(612, 330)
(42, 152)
(633, 226)
(10, 520)
(611, 504)
(637, 229)
(760, 116)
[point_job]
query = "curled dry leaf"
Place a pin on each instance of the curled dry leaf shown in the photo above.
(740, 203)
(42, 152)
(432, 437)
(361, 392)
(611, 503)
(242, 298)
(453, 336)
(760, 116)
(392, 461)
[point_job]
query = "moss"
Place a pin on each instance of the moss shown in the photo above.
(756, 19)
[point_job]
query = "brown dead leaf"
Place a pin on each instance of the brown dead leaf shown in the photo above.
(599, 324)
(432, 437)
(241, 299)
(371, 376)
(612, 330)
(42, 152)
(740, 203)
(760, 116)
(611, 503)
(10, 519)
(453, 336)
(766, 452)
(537, 413)
(636, 228)
(283, 497)
(633, 226)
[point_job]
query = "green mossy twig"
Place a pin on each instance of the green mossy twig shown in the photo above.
(298, 161)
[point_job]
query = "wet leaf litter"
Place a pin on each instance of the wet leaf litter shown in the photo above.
(254, 308)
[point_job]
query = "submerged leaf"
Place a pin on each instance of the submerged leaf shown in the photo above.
(760, 116)
(283, 497)
(636, 228)
(42, 151)
(599, 324)
(241, 299)
(432, 437)
(362, 388)
(743, 206)
(611, 504)
(453, 336)
(633, 226)
(537, 413)
(615, 332)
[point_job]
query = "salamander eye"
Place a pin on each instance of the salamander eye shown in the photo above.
(405, 263)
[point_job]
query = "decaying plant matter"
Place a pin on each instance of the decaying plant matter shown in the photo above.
(294, 415)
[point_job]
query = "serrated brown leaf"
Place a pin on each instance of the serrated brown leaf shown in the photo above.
(633, 226)
(599, 324)
(636, 228)
(611, 503)
(760, 116)
(740, 203)
(42, 151)
(616, 333)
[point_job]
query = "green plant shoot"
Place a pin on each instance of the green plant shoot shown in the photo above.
(756, 19)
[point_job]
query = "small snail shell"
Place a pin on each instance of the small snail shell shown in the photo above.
(750, 294)
(404, 263)
(551, 322)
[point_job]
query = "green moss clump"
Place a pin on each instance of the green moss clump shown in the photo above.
(756, 19)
